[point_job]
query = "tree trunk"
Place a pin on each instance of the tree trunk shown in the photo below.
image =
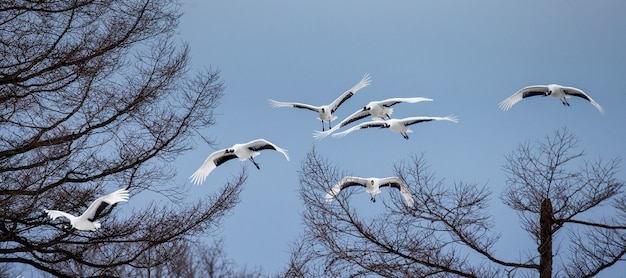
(545, 235)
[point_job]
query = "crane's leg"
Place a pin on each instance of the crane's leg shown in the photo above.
(405, 136)
(373, 199)
(255, 164)
(564, 101)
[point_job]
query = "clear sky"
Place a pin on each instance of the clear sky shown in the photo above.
(466, 55)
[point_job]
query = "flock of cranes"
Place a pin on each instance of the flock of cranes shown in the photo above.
(379, 111)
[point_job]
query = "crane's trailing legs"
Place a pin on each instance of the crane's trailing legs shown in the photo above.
(255, 164)
(324, 127)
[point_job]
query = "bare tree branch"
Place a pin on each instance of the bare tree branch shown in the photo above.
(449, 224)
(541, 173)
(96, 95)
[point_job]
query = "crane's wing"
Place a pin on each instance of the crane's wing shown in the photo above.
(262, 144)
(397, 183)
(211, 162)
(360, 114)
(275, 104)
(393, 101)
(353, 118)
(529, 91)
(381, 124)
(94, 210)
(54, 214)
(344, 183)
(415, 120)
(365, 81)
(579, 93)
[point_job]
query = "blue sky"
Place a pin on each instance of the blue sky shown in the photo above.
(466, 55)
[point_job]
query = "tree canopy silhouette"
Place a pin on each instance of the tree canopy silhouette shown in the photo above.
(95, 96)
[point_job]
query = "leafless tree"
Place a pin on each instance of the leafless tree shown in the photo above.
(553, 190)
(96, 95)
(196, 259)
(449, 232)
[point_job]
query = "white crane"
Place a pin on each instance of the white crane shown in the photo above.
(326, 111)
(554, 90)
(242, 151)
(87, 220)
(379, 110)
(372, 186)
(397, 125)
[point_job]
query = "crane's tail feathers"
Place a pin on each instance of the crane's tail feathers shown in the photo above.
(318, 135)
(452, 118)
(284, 152)
(505, 104)
(329, 198)
(54, 214)
(597, 106)
(197, 178)
(418, 99)
(275, 104)
(365, 81)
(121, 195)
